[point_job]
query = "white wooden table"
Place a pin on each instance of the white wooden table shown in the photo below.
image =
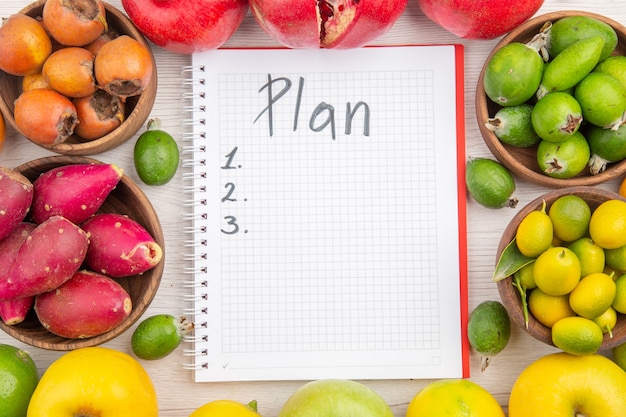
(178, 394)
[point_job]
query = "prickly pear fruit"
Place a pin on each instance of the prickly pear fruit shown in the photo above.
(120, 246)
(51, 254)
(16, 196)
(87, 305)
(10, 246)
(14, 311)
(73, 191)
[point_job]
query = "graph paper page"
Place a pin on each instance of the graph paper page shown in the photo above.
(332, 215)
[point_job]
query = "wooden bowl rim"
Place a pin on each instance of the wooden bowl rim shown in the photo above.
(501, 151)
(131, 124)
(62, 344)
(509, 294)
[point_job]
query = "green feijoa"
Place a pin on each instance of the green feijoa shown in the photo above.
(489, 183)
(569, 30)
(488, 330)
(512, 75)
(572, 65)
(563, 159)
(156, 155)
(602, 99)
(512, 125)
(606, 145)
(556, 117)
(614, 66)
(158, 336)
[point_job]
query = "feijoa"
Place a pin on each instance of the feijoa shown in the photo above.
(513, 126)
(602, 99)
(156, 155)
(513, 74)
(563, 159)
(488, 330)
(606, 146)
(614, 66)
(571, 29)
(556, 116)
(158, 336)
(570, 66)
(490, 183)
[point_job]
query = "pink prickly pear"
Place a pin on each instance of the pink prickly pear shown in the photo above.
(87, 305)
(16, 196)
(120, 246)
(51, 254)
(74, 191)
(14, 312)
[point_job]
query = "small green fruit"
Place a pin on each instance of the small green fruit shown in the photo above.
(513, 126)
(158, 336)
(18, 379)
(488, 330)
(607, 146)
(614, 66)
(572, 65)
(563, 159)
(513, 74)
(156, 155)
(569, 30)
(602, 99)
(556, 116)
(489, 183)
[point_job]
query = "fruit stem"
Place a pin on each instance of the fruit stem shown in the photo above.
(522, 292)
(493, 123)
(541, 41)
(609, 331)
(253, 405)
(597, 164)
(185, 326)
(484, 363)
(154, 124)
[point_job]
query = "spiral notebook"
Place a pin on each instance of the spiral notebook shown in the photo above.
(328, 207)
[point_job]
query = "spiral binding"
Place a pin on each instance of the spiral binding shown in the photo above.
(193, 163)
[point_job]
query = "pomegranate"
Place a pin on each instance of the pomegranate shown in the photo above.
(472, 19)
(187, 26)
(340, 24)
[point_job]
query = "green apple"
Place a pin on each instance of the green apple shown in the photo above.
(335, 398)
(564, 385)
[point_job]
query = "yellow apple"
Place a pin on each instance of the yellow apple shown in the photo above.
(226, 408)
(565, 385)
(94, 382)
(454, 398)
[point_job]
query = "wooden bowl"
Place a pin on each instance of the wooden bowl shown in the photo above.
(510, 296)
(523, 161)
(127, 198)
(137, 109)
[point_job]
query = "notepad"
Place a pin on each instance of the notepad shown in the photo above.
(327, 197)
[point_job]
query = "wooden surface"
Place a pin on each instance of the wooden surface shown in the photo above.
(178, 394)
